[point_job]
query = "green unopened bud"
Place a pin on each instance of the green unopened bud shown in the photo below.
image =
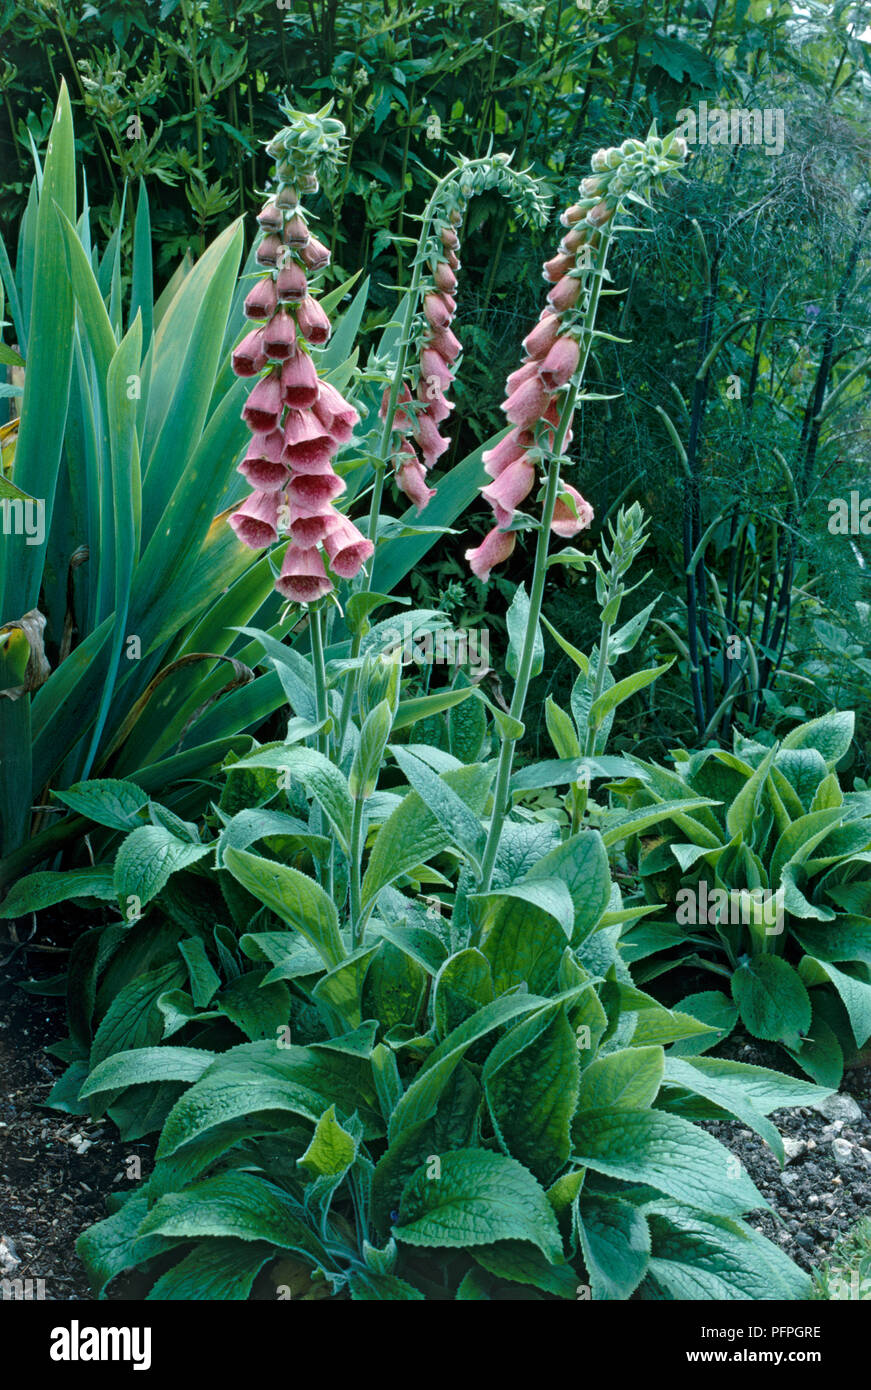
(379, 679)
(363, 777)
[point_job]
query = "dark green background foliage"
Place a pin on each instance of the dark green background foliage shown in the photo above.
(760, 256)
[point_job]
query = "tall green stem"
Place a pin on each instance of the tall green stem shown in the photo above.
(354, 873)
(320, 674)
(501, 794)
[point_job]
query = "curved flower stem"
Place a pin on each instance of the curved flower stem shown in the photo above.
(501, 793)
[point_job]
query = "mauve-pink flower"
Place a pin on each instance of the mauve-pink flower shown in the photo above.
(556, 267)
(303, 577)
(306, 531)
(270, 250)
(279, 336)
(261, 301)
(437, 403)
(433, 365)
(539, 341)
(308, 446)
(403, 420)
(314, 254)
(256, 521)
(263, 465)
(508, 490)
(432, 444)
(309, 493)
(446, 344)
(291, 287)
(299, 381)
(312, 322)
(444, 277)
(523, 373)
(411, 480)
(347, 548)
(436, 311)
(249, 357)
(565, 294)
(503, 454)
(494, 550)
(560, 364)
(527, 404)
(296, 233)
(565, 522)
(262, 410)
(335, 413)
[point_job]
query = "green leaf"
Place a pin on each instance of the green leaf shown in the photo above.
(223, 1268)
(148, 857)
(831, 735)
(742, 813)
(107, 1248)
(413, 834)
(371, 1287)
(257, 1008)
(712, 1007)
(582, 863)
(463, 985)
(107, 802)
(204, 978)
(772, 1001)
(332, 1149)
(422, 1096)
(366, 765)
(522, 943)
(517, 619)
(522, 1263)
(321, 779)
(855, 993)
(144, 1064)
(294, 897)
(616, 1243)
(235, 1204)
(478, 1198)
(665, 1152)
(456, 818)
(622, 690)
(44, 889)
(261, 1076)
(697, 1259)
(619, 825)
(530, 1080)
(628, 1079)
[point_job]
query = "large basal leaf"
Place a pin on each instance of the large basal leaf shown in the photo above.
(296, 899)
(44, 889)
(143, 1064)
(222, 1268)
(239, 1205)
(831, 735)
(531, 1083)
(772, 1000)
(477, 1198)
(147, 858)
(616, 1243)
(665, 1152)
(628, 1079)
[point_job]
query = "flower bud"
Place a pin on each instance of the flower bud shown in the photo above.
(287, 197)
(296, 233)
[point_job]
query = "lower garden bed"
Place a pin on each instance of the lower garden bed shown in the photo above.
(56, 1170)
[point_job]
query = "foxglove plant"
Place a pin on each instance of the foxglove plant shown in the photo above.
(298, 421)
(541, 399)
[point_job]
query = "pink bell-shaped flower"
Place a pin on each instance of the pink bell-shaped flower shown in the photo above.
(256, 521)
(303, 578)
